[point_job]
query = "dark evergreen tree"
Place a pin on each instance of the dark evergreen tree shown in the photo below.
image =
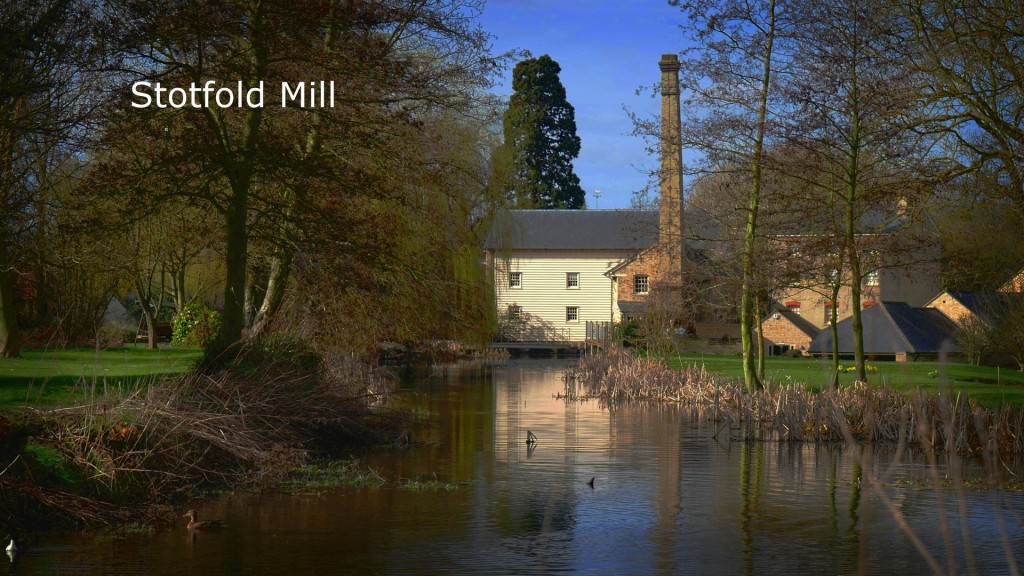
(540, 139)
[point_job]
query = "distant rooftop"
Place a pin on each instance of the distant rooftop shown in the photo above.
(893, 327)
(574, 230)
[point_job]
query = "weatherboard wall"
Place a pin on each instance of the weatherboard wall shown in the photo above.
(543, 296)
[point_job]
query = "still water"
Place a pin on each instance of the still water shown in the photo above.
(671, 495)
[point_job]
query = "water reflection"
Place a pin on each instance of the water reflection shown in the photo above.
(670, 496)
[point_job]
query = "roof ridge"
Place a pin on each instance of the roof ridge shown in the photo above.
(899, 329)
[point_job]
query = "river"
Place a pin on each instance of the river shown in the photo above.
(670, 495)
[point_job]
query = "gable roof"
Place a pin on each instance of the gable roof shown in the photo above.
(799, 322)
(892, 328)
(1015, 284)
(986, 306)
(573, 230)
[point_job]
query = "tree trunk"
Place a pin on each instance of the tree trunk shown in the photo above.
(834, 327)
(747, 319)
(236, 255)
(759, 307)
(853, 173)
(255, 292)
(147, 315)
(10, 334)
(280, 270)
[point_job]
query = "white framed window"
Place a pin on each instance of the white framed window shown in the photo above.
(641, 284)
(572, 313)
(793, 307)
(572, 280)
(515, 279)
(828, 312)
(515, 312)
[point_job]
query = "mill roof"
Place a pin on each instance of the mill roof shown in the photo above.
(574, 230)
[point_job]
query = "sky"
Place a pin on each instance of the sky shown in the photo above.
(607, 50)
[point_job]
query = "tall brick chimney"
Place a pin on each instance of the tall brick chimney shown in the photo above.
(670, 233)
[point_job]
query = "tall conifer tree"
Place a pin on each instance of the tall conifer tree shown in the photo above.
(540, 139)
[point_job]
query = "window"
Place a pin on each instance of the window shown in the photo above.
(515, 312)
(572, 280)
(872, 278)
(572, 313)
(515, 279)
(828, 312)
(641, 284)
(793, 307)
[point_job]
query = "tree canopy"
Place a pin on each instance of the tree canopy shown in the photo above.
(540, 140)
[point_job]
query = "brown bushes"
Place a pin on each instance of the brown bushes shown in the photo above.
(793, 413)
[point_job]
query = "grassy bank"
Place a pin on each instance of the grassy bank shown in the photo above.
(42, 377)
(987, 385)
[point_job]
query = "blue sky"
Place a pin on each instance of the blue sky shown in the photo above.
(607, 49)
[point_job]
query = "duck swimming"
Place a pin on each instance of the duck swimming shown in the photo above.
(195, 524)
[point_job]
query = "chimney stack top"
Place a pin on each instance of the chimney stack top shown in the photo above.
(669, 63)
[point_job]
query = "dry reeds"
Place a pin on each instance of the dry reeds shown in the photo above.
(793, 413)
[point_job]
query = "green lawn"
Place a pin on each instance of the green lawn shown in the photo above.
(989, 386)
(48, 376)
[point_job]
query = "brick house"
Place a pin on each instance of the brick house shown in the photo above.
(962, 306)
(788, 330)
(894, 330)
(1015, 284)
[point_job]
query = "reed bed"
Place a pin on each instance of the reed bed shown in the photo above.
(948, 422)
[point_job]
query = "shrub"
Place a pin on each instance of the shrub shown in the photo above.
(196, 325)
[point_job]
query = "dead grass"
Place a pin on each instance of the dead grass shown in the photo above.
(860, 412)
(240, 428)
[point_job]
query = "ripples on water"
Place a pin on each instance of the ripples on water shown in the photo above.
(667, 499)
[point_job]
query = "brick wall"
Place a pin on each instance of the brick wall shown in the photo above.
(781, 331)
(951, 307)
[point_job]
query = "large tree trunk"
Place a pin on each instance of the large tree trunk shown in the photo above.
(236, 256)
(10, 335)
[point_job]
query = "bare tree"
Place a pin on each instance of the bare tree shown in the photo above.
(857, 114)
(732, 74)
(972, 58)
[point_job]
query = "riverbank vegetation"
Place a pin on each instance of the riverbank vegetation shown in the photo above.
(946, 420)
(115, 454)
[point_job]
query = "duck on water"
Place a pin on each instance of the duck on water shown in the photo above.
(194, 523)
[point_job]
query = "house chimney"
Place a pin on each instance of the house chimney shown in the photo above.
(670, 233)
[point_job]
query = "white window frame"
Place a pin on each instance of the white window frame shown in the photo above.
(572, 313)
(572, 280)
(515, 312)
(646, 284)
(515, 280)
